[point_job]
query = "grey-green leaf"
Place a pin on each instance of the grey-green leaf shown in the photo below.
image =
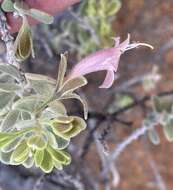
(28, 104)
(10, 70)
(7, 87)
(40, 16)
(37, 142)
(38, 157)
(12, 145)
(61, 71)
(71, 85)
(60, 156)
(29, 162)
(5, 157)
(21, 153)
(23, 44)
(58, 107)
(57, 142)
(7, 6)
(168, 130)
(47, 162)
(43, 88)
(38, 77)
(6, 99)
(153, 136)
(10, 120)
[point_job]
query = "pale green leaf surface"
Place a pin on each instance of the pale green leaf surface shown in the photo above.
(10, 70)
(47, 162)
(154, 137)
(37, 142)
(62, 70)
(71, 85)
(7, 87)
(7, 6)
(10, 120)
(38, 157)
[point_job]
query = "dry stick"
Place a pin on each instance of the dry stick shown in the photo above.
(159, 181)
(123, 145)
(158, 178)
(8, 40)
(100, 116)
(104, 160)
(65, 177)
(39, 183)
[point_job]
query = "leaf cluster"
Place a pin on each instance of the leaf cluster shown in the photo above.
(34, 126)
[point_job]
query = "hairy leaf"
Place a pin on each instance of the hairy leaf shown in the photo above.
(29, 162)
(57, 142)
(10, 70)
(23, 43)
(38, 77)
(10, 120)
(7, 6)
(41, 16)
(57, 165)
(47, 162)
(78, 125)
(43, 88)
(168, 130)
(21, 153)
(6, 87)
(37, 142)
(71, 85)
(60, 156)
(28, 104)
(62, 70)
(12, 145)
(38, 157)
(153, 136)
(5, 157)
(57, 107)
(6, 99)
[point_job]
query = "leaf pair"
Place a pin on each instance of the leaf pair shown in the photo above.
(49, 158)
(65, 88)
(68, 127)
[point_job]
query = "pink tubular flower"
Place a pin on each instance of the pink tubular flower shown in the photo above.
(106, 59)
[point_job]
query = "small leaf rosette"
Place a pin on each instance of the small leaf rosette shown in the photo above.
(43, 145)
(68, 127)
(35, 129)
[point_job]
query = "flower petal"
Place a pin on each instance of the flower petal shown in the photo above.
(109, 79)
(125, 44)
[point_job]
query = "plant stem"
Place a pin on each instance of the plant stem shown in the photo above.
(8, 40)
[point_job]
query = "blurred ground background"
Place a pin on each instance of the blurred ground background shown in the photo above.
(142, 165)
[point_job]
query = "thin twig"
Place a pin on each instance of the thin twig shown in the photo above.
(39, 183)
